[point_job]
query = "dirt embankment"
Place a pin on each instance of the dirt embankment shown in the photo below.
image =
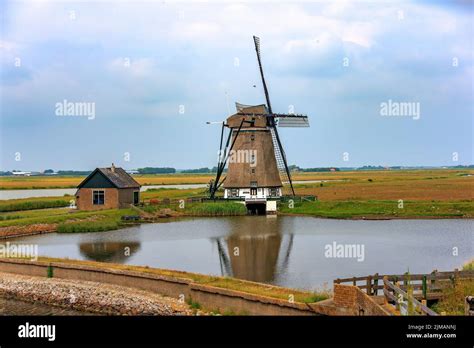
(26, 230)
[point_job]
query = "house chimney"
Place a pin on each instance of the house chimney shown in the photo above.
(112, 168)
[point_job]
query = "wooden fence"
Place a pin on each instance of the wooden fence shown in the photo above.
(406, 300)
(427, 286)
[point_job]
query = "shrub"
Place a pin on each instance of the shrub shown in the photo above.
(218, 209)
(87, 226)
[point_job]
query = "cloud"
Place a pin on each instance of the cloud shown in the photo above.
(184, 53)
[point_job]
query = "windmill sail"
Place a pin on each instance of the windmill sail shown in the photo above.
(280, 159)
(292, 121)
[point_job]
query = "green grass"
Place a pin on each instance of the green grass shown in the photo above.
(31, 204)
(380, 209)
(88, 226)
(468, 266)
(193, 304)
(217, 209)
(452, 301)
(9, 217)
(61, 216)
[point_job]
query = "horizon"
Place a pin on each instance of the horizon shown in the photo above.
(381, 83)
(290, 165)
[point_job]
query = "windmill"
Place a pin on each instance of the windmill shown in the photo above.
(257, 165)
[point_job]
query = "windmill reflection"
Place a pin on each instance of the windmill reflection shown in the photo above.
(259, 253)
(116, 252)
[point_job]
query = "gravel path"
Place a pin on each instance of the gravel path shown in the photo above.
(90, 296)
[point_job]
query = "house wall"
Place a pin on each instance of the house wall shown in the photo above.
(126, 196)
(84, 199)
(262, 193)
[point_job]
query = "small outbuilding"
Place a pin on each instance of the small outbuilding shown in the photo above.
(107, 188)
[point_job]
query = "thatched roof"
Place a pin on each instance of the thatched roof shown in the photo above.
(115, 175)
(260, 120)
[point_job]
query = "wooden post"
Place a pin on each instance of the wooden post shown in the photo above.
(385, 287)
(424, 303)
(369, 285)
(376, 284)
(423, 288)
(397, 304)
(354, 281)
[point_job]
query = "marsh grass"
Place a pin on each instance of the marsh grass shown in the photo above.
(452, 301)
(217, 209)
(380, 209)
(87, 226)
(31, 204)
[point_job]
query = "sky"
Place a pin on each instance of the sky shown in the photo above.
(156, 71)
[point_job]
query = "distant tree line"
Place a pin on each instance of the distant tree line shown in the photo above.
(156, 170)
(74, 172)
(199, 171)
(294, 168)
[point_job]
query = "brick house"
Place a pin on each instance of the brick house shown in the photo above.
(107, 188)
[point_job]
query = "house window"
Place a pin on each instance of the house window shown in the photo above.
(252, 137)
(98, 197)
(253, 191)
(136, 197)
(273, 192)
(253, 184)
(233, 193)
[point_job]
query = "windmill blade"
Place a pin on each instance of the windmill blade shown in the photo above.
(256, 40)
(292, 121)
(281, 158)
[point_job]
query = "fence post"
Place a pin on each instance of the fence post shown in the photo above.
(385, 287)
(397, 303)
(369, 285)
(376, 284)
(423, 288)
(354, 281)
(424, 303)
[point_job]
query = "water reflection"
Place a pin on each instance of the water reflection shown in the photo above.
(101, 251)
(257, 251)
(285, 251)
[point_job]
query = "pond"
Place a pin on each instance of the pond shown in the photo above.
(290, 251)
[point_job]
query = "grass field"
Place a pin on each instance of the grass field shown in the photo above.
(426, 185)
(370, 194)
(63, 216)
(44, 182)
(381, 209)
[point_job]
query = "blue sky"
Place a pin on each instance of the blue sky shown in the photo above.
(186, 54)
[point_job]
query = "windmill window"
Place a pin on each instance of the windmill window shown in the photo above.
(253, 184)
(98, 197)
(253, 170)
(252, 137)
